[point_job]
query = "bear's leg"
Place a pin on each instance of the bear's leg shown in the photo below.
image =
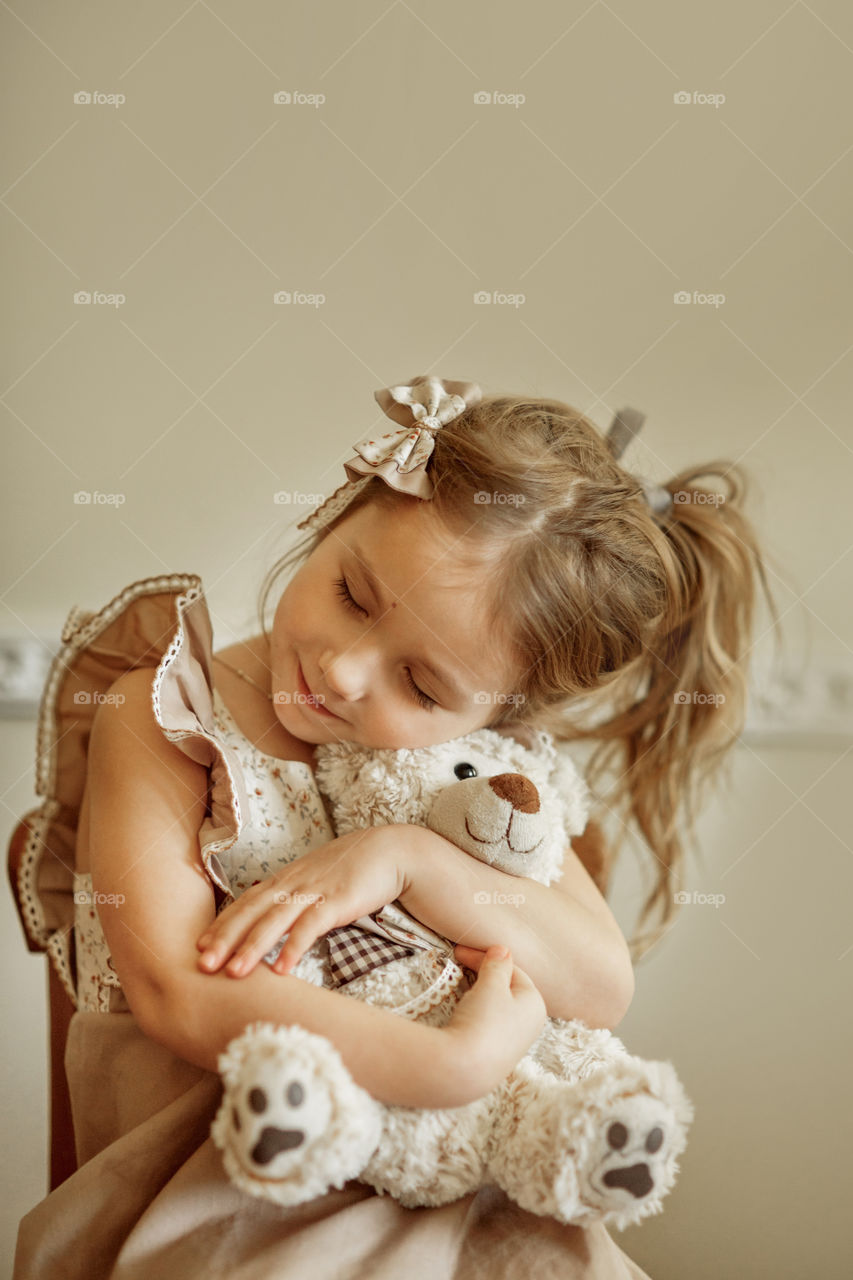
(601, 1149)
(427, 1158)
(292, 1122)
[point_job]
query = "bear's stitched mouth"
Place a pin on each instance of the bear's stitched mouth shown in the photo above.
(480, 840)
(273, 1141)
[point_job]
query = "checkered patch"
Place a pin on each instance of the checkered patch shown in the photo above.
(354, 951)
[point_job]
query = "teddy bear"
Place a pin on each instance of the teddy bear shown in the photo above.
(579, 1130)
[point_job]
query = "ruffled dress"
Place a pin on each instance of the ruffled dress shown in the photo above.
(150, 1197)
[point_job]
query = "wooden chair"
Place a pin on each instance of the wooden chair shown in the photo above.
(62, 1156)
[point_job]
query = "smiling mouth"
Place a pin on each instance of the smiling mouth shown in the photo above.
(512, 849)
(312, 700)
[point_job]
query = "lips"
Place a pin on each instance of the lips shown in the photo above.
(312, 700)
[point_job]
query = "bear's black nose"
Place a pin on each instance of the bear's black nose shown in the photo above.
(273, 1141)
(635, 1179)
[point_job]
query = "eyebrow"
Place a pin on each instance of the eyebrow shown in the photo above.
(443, 677)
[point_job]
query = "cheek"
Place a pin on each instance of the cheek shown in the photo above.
(297, 616)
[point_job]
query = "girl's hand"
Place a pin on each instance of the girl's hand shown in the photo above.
(498, 1019)
(329, 886)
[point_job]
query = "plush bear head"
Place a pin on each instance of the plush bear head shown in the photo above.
(512, 806)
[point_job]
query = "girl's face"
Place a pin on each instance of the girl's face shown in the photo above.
(379, 624)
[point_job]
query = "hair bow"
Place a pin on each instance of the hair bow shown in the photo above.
(400, 457)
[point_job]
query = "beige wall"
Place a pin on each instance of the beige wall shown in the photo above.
(398, 198)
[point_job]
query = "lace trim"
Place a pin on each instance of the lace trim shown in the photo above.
(80, 627)
(447, 981)
(209, 850)
(334, 504)
(58, 950)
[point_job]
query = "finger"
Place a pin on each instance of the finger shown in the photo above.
(276, 922)
(468, 957)
(235, 922)
(229, 929)
(304, 932)
(489, 966)
(248, 902)
(496, 965)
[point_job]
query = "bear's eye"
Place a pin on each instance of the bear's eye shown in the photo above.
(465, 770)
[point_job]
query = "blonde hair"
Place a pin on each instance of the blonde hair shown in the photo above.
(630, 629)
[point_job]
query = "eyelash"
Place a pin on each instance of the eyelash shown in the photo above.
(344, 592)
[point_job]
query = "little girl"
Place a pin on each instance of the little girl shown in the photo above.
(488, 562)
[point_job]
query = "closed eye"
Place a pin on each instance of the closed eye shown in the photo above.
(423, 699)
(344, 593)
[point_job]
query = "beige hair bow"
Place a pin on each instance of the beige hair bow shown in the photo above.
(400, 457)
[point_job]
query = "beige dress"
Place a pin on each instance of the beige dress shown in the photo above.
(150, 1197)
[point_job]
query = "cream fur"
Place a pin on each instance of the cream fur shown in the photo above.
(572, 1132)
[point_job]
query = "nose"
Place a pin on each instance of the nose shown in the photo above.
(518, 790)
(346, 674)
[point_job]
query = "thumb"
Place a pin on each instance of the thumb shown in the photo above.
(496, 957)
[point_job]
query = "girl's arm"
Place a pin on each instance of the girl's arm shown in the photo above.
(146, 801)
(564, 936)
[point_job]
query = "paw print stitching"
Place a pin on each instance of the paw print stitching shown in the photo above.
(634, 1156)
(272, 1139)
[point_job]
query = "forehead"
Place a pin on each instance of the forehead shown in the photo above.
(447, 580)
